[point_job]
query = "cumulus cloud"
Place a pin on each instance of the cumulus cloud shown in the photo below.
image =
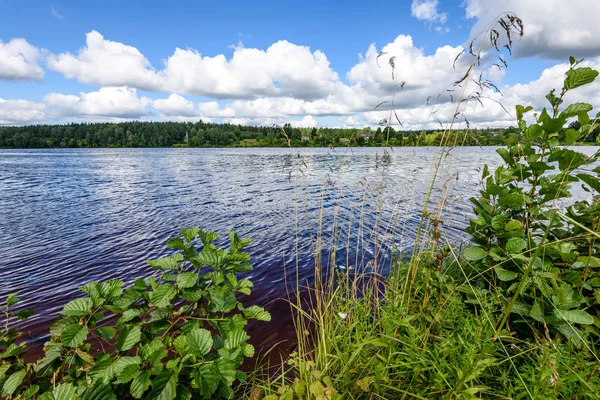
(112, 102)
(19, 112)
(283, 69)
(19, 61)
(307, 122)
(175, 105)
(554, 29)
(426, 10)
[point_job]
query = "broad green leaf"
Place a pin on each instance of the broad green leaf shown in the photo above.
(164, 388)
(504, 275)
(574, 109)
(128, 337)
(579, 77)
(23, 314)
(571, 136)
(129, 297)
(140, 384)
(106, 332)
(592, 181)
(199, 341)
(211, 257)
(13, 350)
(98, 392)
(65, 391)
(516, 245)
(162, 295)
(533, 132)
(168, 263)
(574, 316)
(187, 279)
(235, 339)
(475, 254)
(256, 312)
(536, 312)
(74, 335)
(522, 110)
(512, 225)
(207, 379)
(183, 393)
(31, 391)
(112, 288)
(104, 369)
(14, 381)
(78, 307)
(248, 350)
(128, 373)
(130, 314)
(245, 286)
(176, 243)
(208, 237)
(190, 233)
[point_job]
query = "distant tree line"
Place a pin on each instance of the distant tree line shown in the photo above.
(201, 134)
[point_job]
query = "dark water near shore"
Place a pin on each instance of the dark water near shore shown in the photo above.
(71, 216)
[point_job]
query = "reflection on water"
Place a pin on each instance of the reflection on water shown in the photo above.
(71, 216)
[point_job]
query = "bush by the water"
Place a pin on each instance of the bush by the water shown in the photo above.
(178, 336)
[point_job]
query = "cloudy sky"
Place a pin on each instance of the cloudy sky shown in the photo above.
(310, 63)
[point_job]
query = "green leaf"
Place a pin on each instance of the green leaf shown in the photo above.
(579, 77)
(130, 314)
(164, 388)
(78, 307)
(168, 263)
(23, 314)
(571, 136)
(162, 295)
(12, 350)
(128, 373)
(128, 337)
(74, 335)
(140, 384)
(12, 299)
(190, 233)
(207, 379)
(187, 279)
(112, 288)
(533, 132)
(574, 109)
(504, 154)
(106, 332)
(14, 381)
(208, 237)
(64, 391)
(248, 350)
(235, 339)
(104, 369)
(176, 243)
(180, 344)
(256, 312)
(504, 275)
(515, 245)
(475, 254)
(200, 341)
(98, 392)
(574, 316)
(512, 225)
(31, 391)
(211, 257)
(592, 181)
(3, 369)
(536, 312)
(522, 110)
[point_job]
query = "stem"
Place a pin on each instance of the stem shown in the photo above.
(510, 305)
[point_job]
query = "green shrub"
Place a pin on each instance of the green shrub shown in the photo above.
(174, 337)
(544, 257)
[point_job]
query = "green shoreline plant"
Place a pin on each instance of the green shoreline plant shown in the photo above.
(513, 316)
(178, 336)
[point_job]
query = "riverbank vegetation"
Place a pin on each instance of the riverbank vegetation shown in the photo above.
(511, 315)
(201, 134)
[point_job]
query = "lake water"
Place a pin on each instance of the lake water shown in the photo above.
(74, 215)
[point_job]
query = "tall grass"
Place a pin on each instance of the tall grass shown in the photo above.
(389, 325)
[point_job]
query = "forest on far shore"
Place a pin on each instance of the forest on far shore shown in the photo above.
(201, 134)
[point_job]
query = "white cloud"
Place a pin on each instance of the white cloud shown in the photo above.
(19, 61)
(554, 29)
(426, 10)
(283, 69)
(175, 105)
(106, 63)
(112, 102)
(307, 122)
(19, 112)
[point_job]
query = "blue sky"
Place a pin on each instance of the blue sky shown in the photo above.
(304, 61)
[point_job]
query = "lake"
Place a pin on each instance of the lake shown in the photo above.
(74, 215)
